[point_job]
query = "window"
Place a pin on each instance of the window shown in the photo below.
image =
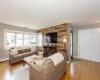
(19, 39)
(26, 39)
(15, 38)
(39, 42)
(10, 39)
(33, 38)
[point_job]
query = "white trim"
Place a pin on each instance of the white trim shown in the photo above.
(1, 60)
(78, 45)
(75, 57)
(16, 31)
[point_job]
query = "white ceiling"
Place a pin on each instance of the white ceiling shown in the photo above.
(37, 14)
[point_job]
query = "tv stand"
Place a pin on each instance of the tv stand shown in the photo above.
(49, 50)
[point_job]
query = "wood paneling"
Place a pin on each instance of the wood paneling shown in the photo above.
(48, 30)
(62, 33)
(41, 31)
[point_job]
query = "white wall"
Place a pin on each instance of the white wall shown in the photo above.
(75, 43)
(77, 27)
(3, 52)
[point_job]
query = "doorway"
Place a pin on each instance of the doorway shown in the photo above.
(71, 43)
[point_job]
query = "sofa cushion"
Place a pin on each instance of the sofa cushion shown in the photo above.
(18, 56)
(14, 51)
(24, 51)
(20, 51)
(27, 50)
(27, 54)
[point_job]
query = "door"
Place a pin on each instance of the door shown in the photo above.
(95, 45)
(84, 44)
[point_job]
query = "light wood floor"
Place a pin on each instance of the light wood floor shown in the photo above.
(77, 70)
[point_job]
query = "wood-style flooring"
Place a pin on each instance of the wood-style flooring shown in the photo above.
(76, 70)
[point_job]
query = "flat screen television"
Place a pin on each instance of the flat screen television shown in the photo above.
(51, 37)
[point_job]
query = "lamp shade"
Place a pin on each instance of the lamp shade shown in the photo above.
(64, 40)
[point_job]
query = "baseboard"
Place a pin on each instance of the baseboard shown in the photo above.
(75, 57)
(1, 60)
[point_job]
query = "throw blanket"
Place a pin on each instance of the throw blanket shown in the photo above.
(57, 58)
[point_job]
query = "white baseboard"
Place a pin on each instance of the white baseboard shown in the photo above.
(75, 57)
(1, 60)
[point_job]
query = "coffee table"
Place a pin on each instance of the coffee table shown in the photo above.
(30, 59)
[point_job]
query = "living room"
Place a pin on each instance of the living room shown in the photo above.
(49, 40)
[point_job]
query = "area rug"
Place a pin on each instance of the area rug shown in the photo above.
(21, 73)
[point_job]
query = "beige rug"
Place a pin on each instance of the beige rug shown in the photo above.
(21, 73)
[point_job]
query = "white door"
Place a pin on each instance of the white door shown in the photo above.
(84, 44)
(95, 45)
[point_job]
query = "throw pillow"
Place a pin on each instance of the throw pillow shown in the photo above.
(33, 49)
(14, 51)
